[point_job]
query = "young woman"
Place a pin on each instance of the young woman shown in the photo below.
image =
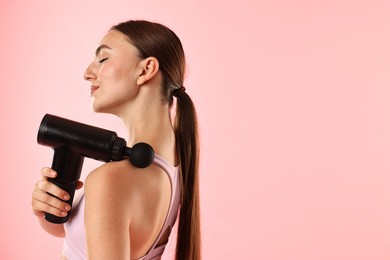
(128, 212)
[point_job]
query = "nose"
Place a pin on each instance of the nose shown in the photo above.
(89, 74)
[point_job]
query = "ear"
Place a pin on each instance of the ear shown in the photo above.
(148, 69)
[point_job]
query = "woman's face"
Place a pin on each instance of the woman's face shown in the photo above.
(113, 73)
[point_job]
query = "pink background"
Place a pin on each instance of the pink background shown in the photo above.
(294, 107)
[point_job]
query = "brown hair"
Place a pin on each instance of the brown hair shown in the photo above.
(156, 40)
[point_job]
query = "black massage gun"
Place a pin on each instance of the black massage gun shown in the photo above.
(72, 141)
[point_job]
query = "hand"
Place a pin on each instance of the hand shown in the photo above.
(43, 202)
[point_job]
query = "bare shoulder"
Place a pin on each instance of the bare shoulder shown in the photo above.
(115, 175)
(115, 183)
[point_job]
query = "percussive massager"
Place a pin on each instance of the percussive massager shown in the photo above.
(73, 141)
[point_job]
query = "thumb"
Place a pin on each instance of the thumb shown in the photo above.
(79, 185)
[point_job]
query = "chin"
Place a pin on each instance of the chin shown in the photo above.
(102, 109)
(97, 108)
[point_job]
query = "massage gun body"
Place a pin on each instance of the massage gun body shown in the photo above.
(73, 141)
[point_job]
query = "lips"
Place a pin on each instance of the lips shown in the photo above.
(93, 89)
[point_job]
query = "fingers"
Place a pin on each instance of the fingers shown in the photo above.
(44, 202)
(48, 172)
(42, 199)
(53, 189)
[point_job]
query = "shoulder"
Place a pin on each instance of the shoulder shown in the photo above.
(115, 175)
(115, 184)
(109, 176)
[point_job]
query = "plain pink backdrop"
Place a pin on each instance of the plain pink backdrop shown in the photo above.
(293, 99)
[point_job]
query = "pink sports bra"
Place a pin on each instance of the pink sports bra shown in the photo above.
(75, 248)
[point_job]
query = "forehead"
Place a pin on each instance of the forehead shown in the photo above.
(116, 41)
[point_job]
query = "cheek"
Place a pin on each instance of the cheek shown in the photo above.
(106, 72)
(114, 74)
(117, 85)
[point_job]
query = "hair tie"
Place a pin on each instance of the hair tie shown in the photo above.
(177, 92)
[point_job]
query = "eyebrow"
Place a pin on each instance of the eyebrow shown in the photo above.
(103, 46)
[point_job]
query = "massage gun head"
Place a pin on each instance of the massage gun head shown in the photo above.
(141, 155)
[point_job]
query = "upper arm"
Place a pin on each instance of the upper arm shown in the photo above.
(106, 219)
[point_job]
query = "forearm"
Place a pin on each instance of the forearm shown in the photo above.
(53, 229)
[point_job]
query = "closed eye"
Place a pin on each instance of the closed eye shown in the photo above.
(102, 60)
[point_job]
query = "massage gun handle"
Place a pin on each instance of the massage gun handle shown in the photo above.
(68, 164)
(69, 188)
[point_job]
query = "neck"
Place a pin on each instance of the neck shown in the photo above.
(151, 124)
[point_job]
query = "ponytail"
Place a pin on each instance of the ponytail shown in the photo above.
(186, 130)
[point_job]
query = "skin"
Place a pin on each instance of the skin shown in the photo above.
(125, 206)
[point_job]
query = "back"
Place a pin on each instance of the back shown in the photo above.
(75, 242)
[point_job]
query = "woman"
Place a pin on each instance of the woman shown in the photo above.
(128, 212)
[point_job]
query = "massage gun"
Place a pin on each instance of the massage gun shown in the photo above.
(72, 141)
